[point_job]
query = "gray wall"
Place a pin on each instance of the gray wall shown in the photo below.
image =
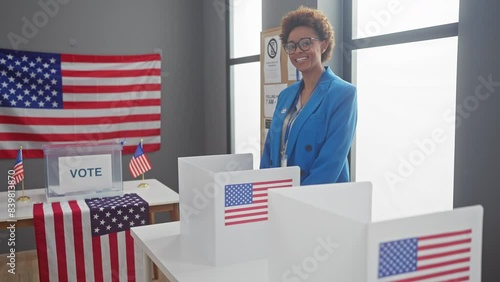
(477, 143)
(333, 9)
(193, 82)
(214, 71)
(274, 10)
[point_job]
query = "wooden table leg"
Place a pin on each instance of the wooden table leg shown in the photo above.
(174, 213)
(155, 271)
(173, 210)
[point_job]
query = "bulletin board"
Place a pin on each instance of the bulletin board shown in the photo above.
(276, 73)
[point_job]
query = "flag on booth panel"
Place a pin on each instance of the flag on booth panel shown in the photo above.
(139, 163)
(60, 98)
(19, 167)
(89, 240)
(435, 257)
(247, 202)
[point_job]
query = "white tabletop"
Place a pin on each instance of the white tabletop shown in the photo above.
(156, 194)
(164, 245)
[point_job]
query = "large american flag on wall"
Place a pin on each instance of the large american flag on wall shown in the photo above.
(89, 240)
(433, 257)
(57, 98)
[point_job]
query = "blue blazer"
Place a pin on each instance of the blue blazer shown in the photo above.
(321, 135)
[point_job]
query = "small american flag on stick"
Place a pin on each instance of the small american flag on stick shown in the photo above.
(139, 163)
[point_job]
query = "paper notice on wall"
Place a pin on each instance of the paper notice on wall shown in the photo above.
(293, 73)
(272, 64)
(271, 93)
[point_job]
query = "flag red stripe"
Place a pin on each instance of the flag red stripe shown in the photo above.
(273, 182)
(73, 58)
(133, 171)
(111, 73)
(129, 241)
(247, 209)
(463, 278)
(78, 137)
(259, 196)
(96, 253)
(260, 201)
(437, 274)
(246, 221)
(41, 242)
(245, 215)
(111, 104)
(144, 162)
(76, 214)
(60, 242)
(20, 120)
(273, 187)
(38, 153)
(441, 245)
(103, 89)
(434, 265)
(449, 234)
(466, 250)
(113, 257)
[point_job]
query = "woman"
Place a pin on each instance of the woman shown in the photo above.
(314, 121)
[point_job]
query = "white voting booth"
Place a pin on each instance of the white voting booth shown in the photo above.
(325, 233)
(223, 205)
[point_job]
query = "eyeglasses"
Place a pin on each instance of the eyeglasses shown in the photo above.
(304, 44)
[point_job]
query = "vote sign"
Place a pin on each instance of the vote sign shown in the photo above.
(81, 173)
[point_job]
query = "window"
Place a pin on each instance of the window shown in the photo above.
(244, 76)
(378, 17)
(246, 109)
(404, 63)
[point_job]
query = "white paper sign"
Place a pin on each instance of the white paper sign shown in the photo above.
(271, 93)
(272, 64)
(293, 73)
(80, 173)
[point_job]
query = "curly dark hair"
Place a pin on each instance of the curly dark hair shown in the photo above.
(315, 19)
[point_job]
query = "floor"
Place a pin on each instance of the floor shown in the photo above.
(27, 268)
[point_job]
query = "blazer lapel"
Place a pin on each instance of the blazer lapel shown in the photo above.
(310, 106)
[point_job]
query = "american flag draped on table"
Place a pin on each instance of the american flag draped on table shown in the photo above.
(56, 98)
(435, 257)
(89, 240)
(247, 202)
